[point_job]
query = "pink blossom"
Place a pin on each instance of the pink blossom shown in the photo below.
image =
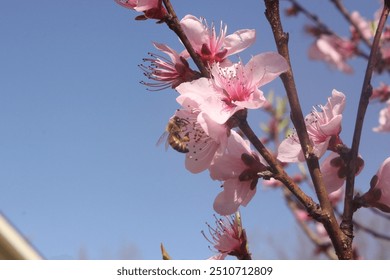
(234, 88)
(212, 47)
(321, 127)
(202, 145)
(333, 50)
(237, 167)
(167, 73)
(229, 238)
(384, 120)
(363, 25)
(379, 194)
(150, 8)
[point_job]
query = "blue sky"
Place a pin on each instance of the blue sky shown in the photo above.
(80, 173)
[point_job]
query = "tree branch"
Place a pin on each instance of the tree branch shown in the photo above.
(351, 157)
(309, 233)
(330, 223)
(312, 17)
(174, 24)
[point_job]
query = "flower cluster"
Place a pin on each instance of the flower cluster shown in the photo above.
(337, 51)
(207, 105)
(202, 127)
(215, 100)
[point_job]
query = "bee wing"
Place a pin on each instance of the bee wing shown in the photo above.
(163, 137)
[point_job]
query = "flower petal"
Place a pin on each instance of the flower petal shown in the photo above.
(218, 257)
(173, 55)
(330, 176)
(384, 182)
(196, 32)
(333, 127)
(290, 150)
(224, 203)
(335, 104)
(265, 67)
(234, 194)
(229, 164)
(239, 40)
(198, 90)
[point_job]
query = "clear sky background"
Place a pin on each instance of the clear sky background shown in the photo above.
(80, 173)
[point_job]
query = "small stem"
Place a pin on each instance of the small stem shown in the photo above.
(174, 24)
(246, 255)
(281, 40)
(279, 173)
(346, 224)
(312, 17)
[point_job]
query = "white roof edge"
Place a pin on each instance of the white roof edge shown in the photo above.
(13, 244)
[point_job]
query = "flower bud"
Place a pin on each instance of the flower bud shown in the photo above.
(379, 193)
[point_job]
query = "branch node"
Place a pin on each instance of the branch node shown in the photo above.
(266, 175)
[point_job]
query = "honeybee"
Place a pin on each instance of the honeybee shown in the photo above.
(174, 135)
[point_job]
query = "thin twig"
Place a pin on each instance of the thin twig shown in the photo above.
(309, 233)
(380, 213)
(371, 231)
(368, 230)
(312, 17)
(173, 23)
(281, 40)
(351, 157)
(325, 29)
(347, 16)
(278, 172)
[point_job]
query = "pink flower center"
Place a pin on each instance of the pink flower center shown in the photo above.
(213, 50)
(233, 84)
(313, 124)
(226, 237)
